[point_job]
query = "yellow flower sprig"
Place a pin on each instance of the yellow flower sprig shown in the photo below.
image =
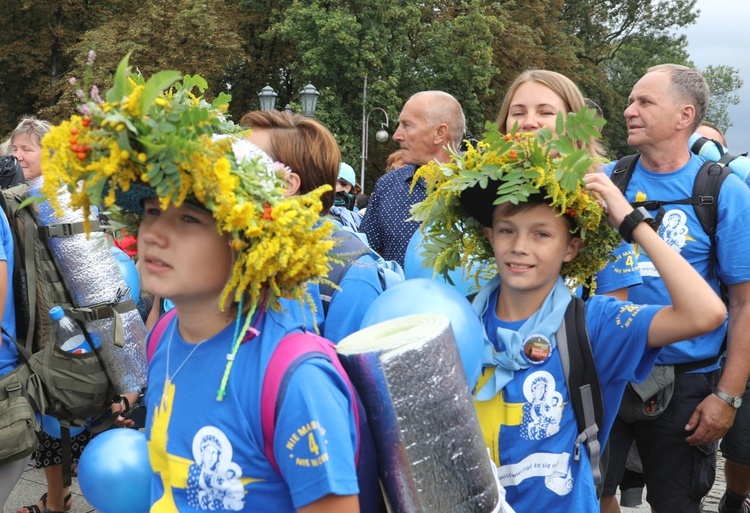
(524, 164)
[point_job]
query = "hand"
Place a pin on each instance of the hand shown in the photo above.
(121, 421)
(615, 204)
(710, 420)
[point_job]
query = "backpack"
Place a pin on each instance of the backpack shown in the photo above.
(582, 381)
(293, 350)
(715, 151)
(73, 388)
(705, 203)
(11, 173)
(704, 199)
(348, 219)
(350, 247)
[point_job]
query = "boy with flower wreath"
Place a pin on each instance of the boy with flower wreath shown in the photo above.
(219, 237)
(523, 200)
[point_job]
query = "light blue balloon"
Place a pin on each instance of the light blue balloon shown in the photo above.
(114, 472)
(413, 268)
(421, 295)
(128, 271)
(51, 426)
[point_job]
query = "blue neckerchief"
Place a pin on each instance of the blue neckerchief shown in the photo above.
(545, 321)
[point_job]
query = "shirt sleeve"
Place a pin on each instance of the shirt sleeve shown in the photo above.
(359, 288)
(732, 235)
(619, 333)
(621, 273)
(370, 225)
(316, 436)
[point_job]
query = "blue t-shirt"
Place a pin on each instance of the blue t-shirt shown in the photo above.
(208, 455)
(385, 222)
(360, 286)
(621, 273)
(8, 350)
(681, 229)
(530, 427)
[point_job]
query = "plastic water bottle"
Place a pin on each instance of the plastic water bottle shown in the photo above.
(68, 335)
(710, 151)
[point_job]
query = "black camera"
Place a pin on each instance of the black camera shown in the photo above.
(10, 172)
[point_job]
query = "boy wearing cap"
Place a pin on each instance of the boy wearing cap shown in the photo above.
(516, 202)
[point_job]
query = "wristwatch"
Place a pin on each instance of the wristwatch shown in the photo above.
(734, 400)
(638, 215)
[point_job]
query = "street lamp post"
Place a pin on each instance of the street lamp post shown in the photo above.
(267, 97)
(380, 136)
(308, 97)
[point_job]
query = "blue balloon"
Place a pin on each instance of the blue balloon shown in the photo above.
(421, 295)
(51, 426)
(413, 268)
(128, 271)
(114, 472)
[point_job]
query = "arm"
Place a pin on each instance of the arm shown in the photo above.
(333, 504)
(713, 417)
(737, 366)
(695, 308)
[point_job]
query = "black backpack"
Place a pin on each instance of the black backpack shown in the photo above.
(582, 381)
(705, 203)
(704, 199)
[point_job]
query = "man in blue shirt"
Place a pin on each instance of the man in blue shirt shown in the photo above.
(429, 123)
(678, 449)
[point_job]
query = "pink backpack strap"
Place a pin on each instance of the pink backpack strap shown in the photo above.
(157, 332)
(294, 349)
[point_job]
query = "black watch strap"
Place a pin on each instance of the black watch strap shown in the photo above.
(633, 219)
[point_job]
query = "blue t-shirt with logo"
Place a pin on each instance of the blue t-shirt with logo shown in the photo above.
(530, 427)
(209, 455)
(681, 229)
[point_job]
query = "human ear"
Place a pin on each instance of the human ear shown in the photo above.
(441, 134)
(293, 183)
(574, 246)
(487, 231)
(687, 115)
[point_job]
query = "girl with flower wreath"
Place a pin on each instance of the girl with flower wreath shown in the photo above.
(218, 235)
(532, 102)
(524, 202)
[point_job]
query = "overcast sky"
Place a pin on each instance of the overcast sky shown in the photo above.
(720, 37)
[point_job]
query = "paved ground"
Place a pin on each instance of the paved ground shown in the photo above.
(32, 486)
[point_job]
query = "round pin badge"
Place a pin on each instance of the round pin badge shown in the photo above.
(536, 349)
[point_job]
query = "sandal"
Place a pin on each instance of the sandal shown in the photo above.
(34, 508)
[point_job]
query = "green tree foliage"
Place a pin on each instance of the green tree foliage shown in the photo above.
(724, 82)
(472, 49)
(402, 47)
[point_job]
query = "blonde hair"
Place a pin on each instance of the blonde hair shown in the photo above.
(563, 87)
(33, 128)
